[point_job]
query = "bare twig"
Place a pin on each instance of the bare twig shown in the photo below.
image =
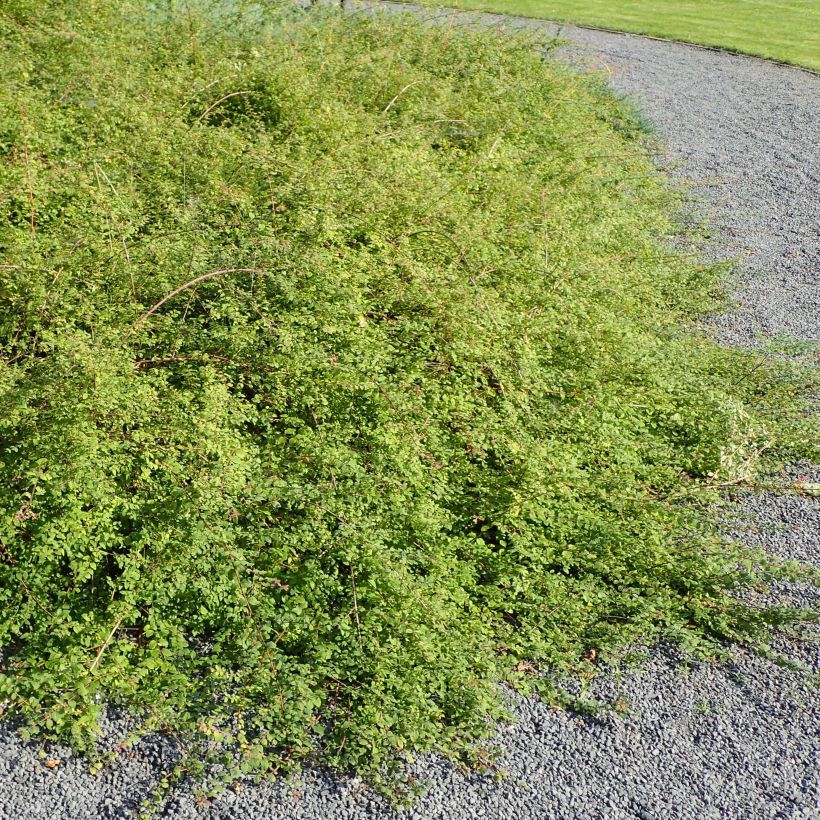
(356, 604)
(176, 291)
(32, 220)
(406, 88)
(206, 87)
(105, 645)
(462, 254)
(172, 359)
(271, 664)
(116, 193)
(211, 357)
(222, 100)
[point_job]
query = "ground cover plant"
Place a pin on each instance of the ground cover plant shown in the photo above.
(345, 372)
(783, 30)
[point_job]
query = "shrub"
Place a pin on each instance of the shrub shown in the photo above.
(345, 367)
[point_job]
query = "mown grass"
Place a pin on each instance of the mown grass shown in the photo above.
(345, 371)
(783, 30)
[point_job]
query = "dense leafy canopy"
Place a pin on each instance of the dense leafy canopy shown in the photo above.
(343, 368)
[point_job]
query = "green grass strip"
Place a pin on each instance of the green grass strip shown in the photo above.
(784, 30)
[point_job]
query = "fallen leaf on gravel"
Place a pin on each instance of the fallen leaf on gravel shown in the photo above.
(52, 762)
(808, 488)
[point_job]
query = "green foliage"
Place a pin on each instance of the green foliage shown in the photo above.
(782, 30)
(344, 369)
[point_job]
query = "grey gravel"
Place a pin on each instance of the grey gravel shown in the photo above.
(738, 739)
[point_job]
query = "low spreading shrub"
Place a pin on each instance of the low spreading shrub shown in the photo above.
(345, 371)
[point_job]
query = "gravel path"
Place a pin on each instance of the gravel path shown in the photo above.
(737, 740)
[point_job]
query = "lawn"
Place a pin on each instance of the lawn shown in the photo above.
(785, 31)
